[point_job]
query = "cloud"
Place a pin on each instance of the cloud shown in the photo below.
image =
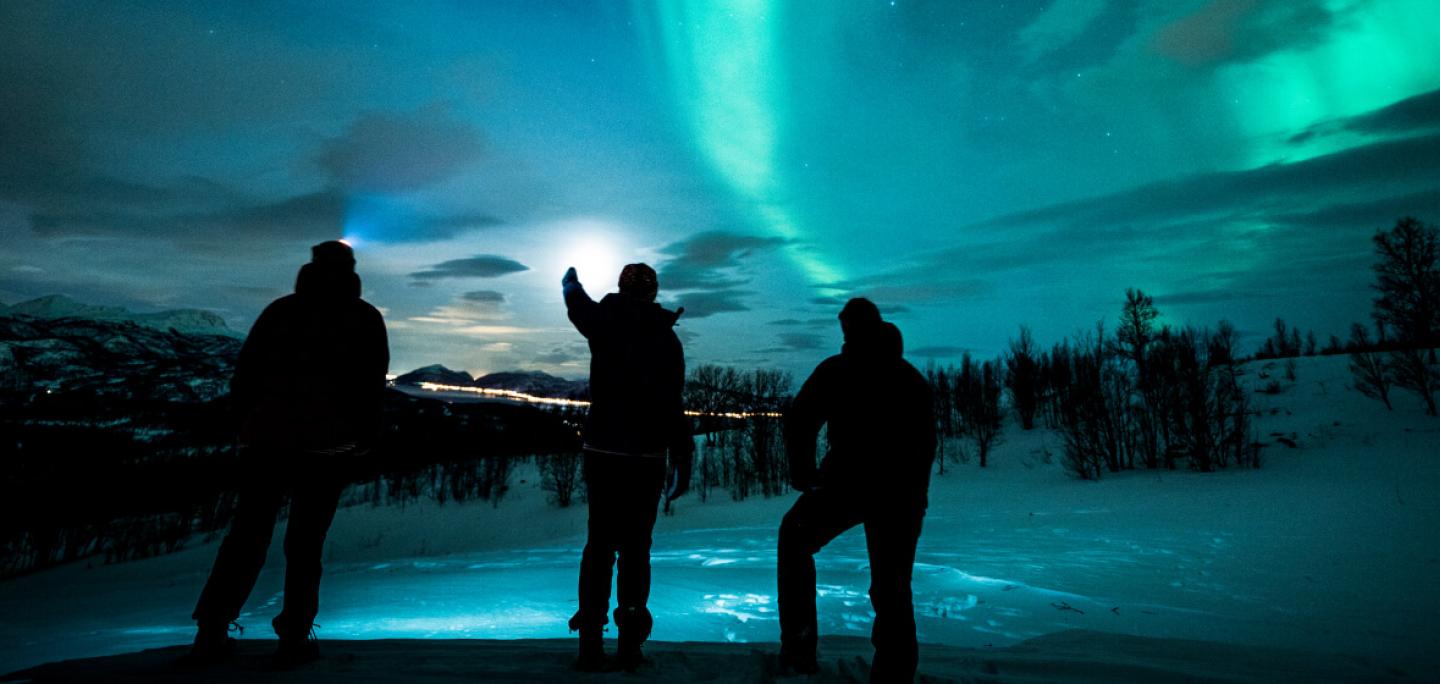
(891, 291)
(800, 341)
(1417, 114)
(156, 69)
(837, 302)
(1408, 165)
(257, 226)
(1059, 25)
(1377, 213)
(312, 217)
(562, 355)
(807, 322)
(1199, 297)
(484, 297)
(705, 268)
(710, 260)
(1282, 230)
(387, 152)
(940, 351)
(481, 266)
(791, 343)
(555, 357)
(441, 227)
(703, 304)
(1227, 31)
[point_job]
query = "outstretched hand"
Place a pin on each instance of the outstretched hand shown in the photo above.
(570, 277)
(679, 484)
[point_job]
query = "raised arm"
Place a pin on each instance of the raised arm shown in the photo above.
(582, 310)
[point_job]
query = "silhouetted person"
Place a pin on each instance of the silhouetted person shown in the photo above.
(307, 392)
(637, 374)
(876, 473)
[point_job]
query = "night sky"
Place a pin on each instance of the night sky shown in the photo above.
(971, 166)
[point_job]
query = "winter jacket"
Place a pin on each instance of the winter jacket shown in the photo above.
(880, 418)
(637, 374)
(311, 374)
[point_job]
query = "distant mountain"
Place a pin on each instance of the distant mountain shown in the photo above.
(111, 358)
(437, 374)
(60, 306)
(536, 383)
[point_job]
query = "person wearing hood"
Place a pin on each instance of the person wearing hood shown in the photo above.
(307, 394)
(881, 433)
(636, 418)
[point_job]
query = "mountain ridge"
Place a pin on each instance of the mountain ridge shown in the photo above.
(532, 382)
(57, 306)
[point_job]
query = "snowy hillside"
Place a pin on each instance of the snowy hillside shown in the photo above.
(1325, 553)
(112, 358)
(197, 321)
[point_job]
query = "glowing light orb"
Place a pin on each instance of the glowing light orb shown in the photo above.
(597, 255)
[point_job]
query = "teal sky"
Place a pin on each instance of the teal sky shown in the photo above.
(971, 166)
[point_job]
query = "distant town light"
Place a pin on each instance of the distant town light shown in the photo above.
(556, 401)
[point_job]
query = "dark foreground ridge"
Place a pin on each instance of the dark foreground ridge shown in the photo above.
(1072, 656)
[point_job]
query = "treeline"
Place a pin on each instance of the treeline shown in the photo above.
(738, 414)
(1397, 350)
(1406, 315)
(77, 487)
(458, 451)
(1145, 396)
(86, 475)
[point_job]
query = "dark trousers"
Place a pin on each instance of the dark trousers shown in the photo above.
(314, 492)
(891, 534)
(624, 495)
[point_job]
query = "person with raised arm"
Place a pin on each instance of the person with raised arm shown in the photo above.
(636, 420)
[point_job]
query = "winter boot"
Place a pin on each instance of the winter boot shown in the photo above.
(591, 657)
(797, 654)
(296, 648)
(212, 645)
(634, 624)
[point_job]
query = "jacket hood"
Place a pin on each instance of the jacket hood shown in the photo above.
(636, 311)
(880, 342)
(327, 281)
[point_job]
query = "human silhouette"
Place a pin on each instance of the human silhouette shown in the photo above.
(881, 434)
(637, 374)
(307, 393)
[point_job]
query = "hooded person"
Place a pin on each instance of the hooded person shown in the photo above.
(636, 419)
(881, 434)
(307, 397)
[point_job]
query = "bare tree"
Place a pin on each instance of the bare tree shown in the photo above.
(1133, 340)
(1022, 377)
(1096, 421)
(560, 476)
(1413, 369)
(940, 381)
(1368, 367)
(767, 394)
(977, 397)
(1407, 281)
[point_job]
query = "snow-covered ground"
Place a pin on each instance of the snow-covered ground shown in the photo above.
(1329, 549)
